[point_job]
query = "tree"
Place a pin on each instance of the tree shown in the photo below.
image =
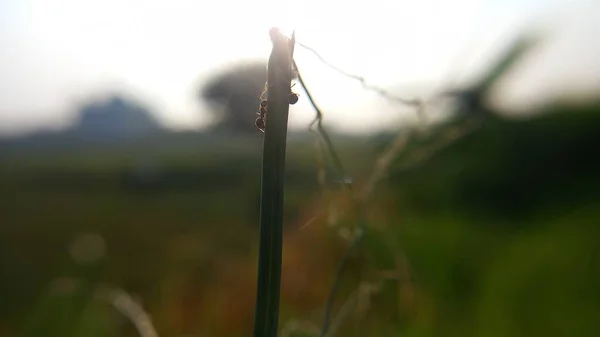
(234, 95)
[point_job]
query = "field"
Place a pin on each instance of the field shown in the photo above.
(495, 234)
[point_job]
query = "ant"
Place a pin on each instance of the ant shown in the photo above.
(261, 121)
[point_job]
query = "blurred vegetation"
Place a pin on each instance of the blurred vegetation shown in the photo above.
(493, 235)
(234, 95)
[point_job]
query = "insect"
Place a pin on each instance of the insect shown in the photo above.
(275, 62)
(261, 121)
(293, 98)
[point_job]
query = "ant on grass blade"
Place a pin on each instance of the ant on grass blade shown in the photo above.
(261, 121)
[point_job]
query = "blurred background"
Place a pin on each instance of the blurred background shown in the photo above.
(130, 167)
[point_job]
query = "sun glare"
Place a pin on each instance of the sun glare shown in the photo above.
(164, 50)
(281, 14)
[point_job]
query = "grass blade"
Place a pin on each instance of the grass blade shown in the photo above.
(273, 173)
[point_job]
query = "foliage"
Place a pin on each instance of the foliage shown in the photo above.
(234, 95)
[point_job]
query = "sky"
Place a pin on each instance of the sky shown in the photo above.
(57, 54)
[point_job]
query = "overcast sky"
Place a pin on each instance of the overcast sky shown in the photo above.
(55, 54)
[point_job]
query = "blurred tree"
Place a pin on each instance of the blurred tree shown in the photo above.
(116, 117)
(234, 95)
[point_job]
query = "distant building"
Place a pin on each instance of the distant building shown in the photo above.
(115, 118)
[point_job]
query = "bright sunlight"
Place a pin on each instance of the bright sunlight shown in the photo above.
(64, 51)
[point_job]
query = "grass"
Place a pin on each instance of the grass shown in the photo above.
(266, 321)
(466, 260)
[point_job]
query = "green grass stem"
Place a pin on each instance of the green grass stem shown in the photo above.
(273, 173)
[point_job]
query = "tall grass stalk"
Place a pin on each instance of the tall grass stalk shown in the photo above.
(279, 77)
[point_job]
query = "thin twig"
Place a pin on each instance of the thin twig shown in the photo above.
(447, 138)
(385, 161)
(321, 130)
(344, 311)
(322, 134)
(121, 301)
(293, 326)
(362, 80)
(338, 278)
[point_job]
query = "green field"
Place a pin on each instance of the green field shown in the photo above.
(495, 234)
